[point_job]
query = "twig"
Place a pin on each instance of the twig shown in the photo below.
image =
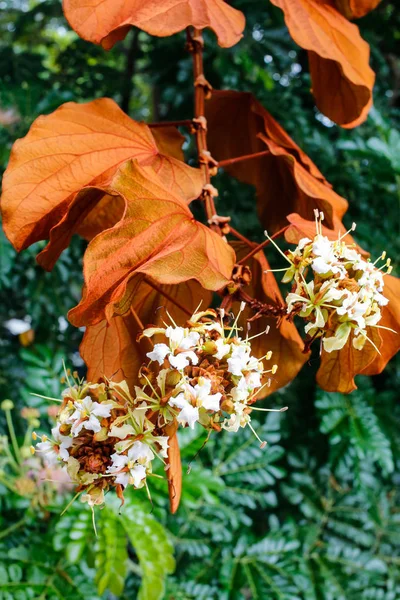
(232, 161)
(182, 123)
(201, 86)
(167, 296)
(262, 245)
(241, 237)
(129, 71)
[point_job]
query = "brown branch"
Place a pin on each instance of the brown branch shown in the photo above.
(183, 123)
(232, 161)
(167, 296)
(241, 237)
(201, 87)
(262, 245)
(129, 71)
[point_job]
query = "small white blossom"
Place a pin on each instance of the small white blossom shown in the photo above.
(180, 350)
(88, 414)
(131, 467)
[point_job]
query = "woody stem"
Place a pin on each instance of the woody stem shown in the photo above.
(182, 123)
(232, 161)
(262, 245)
(195, 46)
(168, 296)
(241, 237)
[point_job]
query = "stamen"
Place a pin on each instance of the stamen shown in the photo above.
(285, 408)
(46, 397)
(277, 247)
(262, 443)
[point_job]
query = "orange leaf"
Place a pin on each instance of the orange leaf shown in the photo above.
(106, 22)
(338, 368)
(342, 80)
(301, 228)
(286, 172)
(390, 318)
(76, 146)
(284, 339)
(174, 473)
(109, 209)
(158, 236)
(355, 9)
(110, 350)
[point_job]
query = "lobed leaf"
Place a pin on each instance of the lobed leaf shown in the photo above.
(106, 22)
(285, 172)
(342, 79)
(158, 236)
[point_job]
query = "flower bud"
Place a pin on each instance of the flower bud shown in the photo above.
(7, 405)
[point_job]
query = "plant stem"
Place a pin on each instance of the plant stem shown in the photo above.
(167, 296)
(12, 528)
(262, 245)
(241, 237)
(129, 71)
(195, 47)
(183, 123)
(13, 437)
(231, 161)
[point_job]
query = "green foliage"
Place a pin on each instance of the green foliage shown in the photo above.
(108, 552)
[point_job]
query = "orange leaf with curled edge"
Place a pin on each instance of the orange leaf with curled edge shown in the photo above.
(355, 9)
(110, 348)
(338, 368)
(391, 319)
(342, 79)
(106, 22)
(283, 338)
(109, 209)
(301, 228)
(285, 173)
(158, 236)
(76, 146)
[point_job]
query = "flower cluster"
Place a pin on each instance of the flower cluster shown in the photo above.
(206, 373)
(335, 289)
(202, 373)
(104, 439)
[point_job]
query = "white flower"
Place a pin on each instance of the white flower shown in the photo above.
(188, 414)
(241, 360)
(48, 448)
(159, 352)
(222, 348)
(131, 467)
(48, 451)
(236, 419)
(162, 440)
(193, 398)
(353, 309)
(88, 415)
(322, 246)
(179, 352)
(63, 442)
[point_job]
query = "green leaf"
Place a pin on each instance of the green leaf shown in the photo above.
(111, 553)
(152, 546)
